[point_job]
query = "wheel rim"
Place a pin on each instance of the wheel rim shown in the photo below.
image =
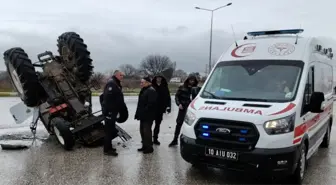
(303, 163)
(67, 56)
(16, 80)
(58, 135)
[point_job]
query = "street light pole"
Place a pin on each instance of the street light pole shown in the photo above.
(210, 52)
(212, 11)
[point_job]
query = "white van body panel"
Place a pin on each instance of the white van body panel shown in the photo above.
(271, 48)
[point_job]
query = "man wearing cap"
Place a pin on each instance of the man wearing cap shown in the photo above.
(145, 113)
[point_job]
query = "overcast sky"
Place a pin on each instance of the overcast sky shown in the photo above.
(125, 31)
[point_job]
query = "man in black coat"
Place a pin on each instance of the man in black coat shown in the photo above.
(113, 105)
(164, 103)
(146, 113)
(183, 98)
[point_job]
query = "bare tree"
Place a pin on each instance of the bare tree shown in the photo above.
(5, 82)
(180, 73)
(97, 80)
(155, 64)
(129, 70)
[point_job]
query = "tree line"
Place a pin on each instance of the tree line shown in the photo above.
(149, 66)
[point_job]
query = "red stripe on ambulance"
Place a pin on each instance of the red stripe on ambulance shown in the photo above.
(310, 124)
(286, 109)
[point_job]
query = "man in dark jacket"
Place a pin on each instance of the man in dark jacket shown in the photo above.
(164, 103)
(146, 113)
(183, 99)
(112, 102)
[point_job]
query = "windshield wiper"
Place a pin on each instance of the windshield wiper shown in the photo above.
(213, 96)
(246, 99)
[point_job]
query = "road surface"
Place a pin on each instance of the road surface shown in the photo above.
(48, 163)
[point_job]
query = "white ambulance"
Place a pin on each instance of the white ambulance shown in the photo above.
(266, 107)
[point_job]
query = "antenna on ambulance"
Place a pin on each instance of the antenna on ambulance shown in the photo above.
(234, 36)
(297, 36)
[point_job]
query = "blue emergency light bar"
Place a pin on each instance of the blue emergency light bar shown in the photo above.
(205, 126)
(275, 32)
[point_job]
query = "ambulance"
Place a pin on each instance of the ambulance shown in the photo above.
(266, 106)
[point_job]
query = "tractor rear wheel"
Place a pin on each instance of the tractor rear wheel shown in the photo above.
(23, 76)
(75, 55)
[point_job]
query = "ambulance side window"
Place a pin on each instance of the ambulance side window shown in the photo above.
(309, 89)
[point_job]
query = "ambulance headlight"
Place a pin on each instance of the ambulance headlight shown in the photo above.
(280, 126)
(190, 118)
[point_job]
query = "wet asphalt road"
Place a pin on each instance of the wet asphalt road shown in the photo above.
(48, 163)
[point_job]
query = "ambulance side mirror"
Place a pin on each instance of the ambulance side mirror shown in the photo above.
(316, 100)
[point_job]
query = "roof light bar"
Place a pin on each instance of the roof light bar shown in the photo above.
(275, 32)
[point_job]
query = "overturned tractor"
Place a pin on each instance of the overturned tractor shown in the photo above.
(60, 93)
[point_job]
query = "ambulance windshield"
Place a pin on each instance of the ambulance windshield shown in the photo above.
(254, 80)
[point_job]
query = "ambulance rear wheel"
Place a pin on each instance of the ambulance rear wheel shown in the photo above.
(326, 140)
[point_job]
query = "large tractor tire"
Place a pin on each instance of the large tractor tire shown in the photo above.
(63, 133)
(75, 55)
(23, 76)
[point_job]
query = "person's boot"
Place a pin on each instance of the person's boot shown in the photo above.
(156, 141)
(112, 152)
(148, 150)
(173, 143)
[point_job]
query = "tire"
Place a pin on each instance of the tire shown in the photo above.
(326, 140)
(75, 55)
(62, 132)
(198, 165)
(300, 170)
(23, 76)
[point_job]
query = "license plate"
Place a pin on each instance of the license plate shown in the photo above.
(223, 154)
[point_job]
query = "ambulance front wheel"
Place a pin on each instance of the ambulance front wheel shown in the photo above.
(301, 167)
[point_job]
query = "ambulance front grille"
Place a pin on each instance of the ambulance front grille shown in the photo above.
(226, 134)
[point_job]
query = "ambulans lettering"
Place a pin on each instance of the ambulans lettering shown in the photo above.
(231, 109)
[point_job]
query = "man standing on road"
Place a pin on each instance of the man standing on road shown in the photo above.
(112, 101)
(182, 100)
(145, 113)
(164, 103)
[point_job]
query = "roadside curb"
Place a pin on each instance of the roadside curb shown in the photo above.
(13, 94)
(8, 94)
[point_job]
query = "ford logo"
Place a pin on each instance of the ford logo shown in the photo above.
(223, 130)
